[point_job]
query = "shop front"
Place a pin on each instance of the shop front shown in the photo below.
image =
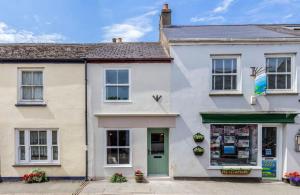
(241, 143)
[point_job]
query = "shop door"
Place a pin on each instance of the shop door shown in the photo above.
(158, 151)
(270, 153)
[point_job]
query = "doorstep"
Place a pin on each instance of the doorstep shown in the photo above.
(159, 178)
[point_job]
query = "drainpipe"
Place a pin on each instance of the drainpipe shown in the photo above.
(86, 124)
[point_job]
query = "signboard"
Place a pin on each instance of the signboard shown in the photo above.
(269, 168)
(261, 84)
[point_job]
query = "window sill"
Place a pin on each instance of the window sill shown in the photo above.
(281, 93)
(225, 93)
(30, 104)
(37, 164)
(117, 166)
(233, 167)
(117, 101)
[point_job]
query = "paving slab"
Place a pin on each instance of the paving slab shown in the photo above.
(189, 187)
(47, 188)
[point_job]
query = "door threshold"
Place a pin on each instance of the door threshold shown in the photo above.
(159, 177)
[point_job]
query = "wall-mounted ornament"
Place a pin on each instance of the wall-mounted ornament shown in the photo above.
(198, 151)
(198, 137)
(157, 97)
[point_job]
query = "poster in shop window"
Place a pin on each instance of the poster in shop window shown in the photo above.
(269, 168)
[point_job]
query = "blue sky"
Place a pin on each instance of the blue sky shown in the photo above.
(84, 21)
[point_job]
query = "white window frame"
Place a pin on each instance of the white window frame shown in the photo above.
(238, 89)
(20, 97)
(106, 147)
(105, 85)
(27, 147)
(293, 74)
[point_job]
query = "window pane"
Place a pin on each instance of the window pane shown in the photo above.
(234, 66)
(22, 152)
(112, 138)
(281, 81)
(288, 64)
(26, 78)
(26, 93)
(271, 81)
(37, 78)
(111, 76)
(123, 138)
(21, 138)
(157, 143)
(281, 65)
(218, 82)
(234, 145)
(123, 93)
(228, 65)
(271, 64)
(54, 153)
(233, 82)
(38, 93)
(227, 84)
(34, 152)
(112, 156)
(111, 93)
(43, 137)
(43, 152)
(288, 77)
(34, 137)
(54, 137)
(124, 156)
(123, 77)
(218, 65)
(269, 141)
(213, 83)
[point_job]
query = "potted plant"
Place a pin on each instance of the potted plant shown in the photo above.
(118, 178)
(198, 137)
(36, 176)
(139, 176)
(286, 177)
(294, 178)
(198, 151)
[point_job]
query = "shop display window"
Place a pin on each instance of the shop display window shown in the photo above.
(233, 145)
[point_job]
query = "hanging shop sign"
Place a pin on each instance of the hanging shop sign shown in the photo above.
(261, 84)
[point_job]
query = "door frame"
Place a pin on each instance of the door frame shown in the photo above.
(167, 155)
(279, 155)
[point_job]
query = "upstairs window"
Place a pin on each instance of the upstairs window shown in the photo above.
(117, 85)
(224, 74)
(279, 73)
(31, 86)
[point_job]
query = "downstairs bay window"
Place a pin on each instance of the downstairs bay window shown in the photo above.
(37, 146)
(233, 145)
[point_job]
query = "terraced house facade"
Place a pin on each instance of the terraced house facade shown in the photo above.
(181, 107)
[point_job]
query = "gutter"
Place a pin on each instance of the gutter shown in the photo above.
(86, 124)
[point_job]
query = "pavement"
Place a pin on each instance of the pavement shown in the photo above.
(175, 187)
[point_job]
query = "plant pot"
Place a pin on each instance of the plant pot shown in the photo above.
(286, 180)
(198, 151)
(295, 182)
(139, 178)
(198, 137)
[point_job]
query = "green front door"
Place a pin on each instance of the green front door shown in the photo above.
(158, 151)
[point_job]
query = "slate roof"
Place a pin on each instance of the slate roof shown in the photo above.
(230, 32)
(78, 52)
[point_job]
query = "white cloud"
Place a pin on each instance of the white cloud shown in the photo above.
(223, 7)
(11, 35)
(288, 16)
(132, 29)
(208, 19)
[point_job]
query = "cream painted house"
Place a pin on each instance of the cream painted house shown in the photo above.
(42, 115)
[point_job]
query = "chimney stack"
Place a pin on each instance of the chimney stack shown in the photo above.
(117, 40)
(165, 16)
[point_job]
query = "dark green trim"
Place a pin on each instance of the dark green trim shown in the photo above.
(248, 118)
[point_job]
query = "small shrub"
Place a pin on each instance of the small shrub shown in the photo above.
(118, 178)
(36, 176)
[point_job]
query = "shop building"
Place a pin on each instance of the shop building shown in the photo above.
(212, 87)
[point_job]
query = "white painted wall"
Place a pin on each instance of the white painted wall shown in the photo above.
(147, 79)
(190, 95)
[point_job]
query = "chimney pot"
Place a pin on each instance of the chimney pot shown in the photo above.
(119, 40)
(114, 40)
(166, 7)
